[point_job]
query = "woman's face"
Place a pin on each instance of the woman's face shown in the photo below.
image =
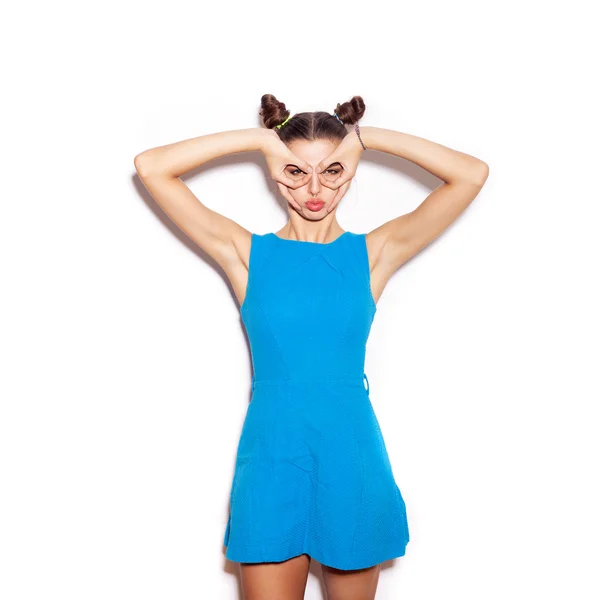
(313, 153)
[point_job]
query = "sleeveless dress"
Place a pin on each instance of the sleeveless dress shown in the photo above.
(312, 473)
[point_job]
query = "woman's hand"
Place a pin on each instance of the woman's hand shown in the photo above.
(346, 155)
(283, 164)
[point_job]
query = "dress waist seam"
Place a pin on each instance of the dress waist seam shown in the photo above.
(360, 379)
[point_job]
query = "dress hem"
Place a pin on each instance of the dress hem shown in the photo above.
(259, 556)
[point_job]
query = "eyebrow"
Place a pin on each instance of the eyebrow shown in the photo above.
(334, 164)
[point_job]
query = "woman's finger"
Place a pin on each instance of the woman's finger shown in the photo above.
(292, 183)
(328, 161)
(296, 182)
(286, 194)
(341, 192)
(304, 165)
(301, 165)
(336, 184)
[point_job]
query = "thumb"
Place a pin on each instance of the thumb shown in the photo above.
(298, 162)
(324, 164)
(302, 164)
(305, 167)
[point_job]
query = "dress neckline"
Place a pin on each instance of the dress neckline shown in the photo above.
(308, 242)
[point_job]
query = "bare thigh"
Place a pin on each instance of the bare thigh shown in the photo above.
(275, 581)
(359, 584)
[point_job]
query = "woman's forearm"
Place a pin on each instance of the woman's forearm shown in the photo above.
(180, 157)
(445, 163)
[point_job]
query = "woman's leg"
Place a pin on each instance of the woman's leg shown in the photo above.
(275, 581)
(359, 584)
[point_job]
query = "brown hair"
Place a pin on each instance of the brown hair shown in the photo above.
(310, 126)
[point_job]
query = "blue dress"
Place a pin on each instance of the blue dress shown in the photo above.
(312, 473)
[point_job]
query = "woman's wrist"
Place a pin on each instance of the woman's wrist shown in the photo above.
(366, 135)
(356, 139)
(253, 139)
(266, 137)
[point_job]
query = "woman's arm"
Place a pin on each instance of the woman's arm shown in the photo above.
(227, 242)
(160, 168)
(393, 243)
(449, 165)
(176, 159)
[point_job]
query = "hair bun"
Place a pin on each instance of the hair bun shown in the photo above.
(310, 126)
(272, 111)
(351, 112)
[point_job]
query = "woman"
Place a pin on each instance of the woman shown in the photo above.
(312, 476)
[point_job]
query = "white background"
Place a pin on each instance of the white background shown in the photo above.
(126, 369)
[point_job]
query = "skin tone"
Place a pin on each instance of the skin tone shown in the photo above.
(389, 245)
(304, 224)
(287, 579)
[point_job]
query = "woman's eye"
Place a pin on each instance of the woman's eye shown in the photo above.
(332, 171)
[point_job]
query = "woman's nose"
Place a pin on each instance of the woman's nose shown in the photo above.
(314, 185)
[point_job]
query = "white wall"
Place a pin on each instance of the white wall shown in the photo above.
(126, 369)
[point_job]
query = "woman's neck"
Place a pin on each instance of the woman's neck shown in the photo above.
(319, 232)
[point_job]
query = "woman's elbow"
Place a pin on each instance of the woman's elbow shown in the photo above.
(481, 173)
(141, 164)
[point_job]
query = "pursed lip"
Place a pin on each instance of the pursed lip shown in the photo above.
(315, 201)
